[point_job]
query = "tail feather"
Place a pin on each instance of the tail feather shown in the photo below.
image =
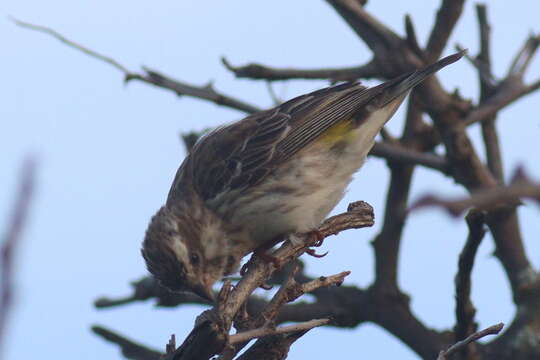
(406, 82)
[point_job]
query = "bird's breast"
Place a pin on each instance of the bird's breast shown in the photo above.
(298, 195)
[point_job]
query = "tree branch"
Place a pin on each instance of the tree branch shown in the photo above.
(492, 330)
(263, 72)
(152, 77)
(447, 17)
(465, 311)
(487, 89)
(404, 155)
(130, 349)
(488, 199)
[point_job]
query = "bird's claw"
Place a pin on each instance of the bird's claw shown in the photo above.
(312, 252)
(316, 238)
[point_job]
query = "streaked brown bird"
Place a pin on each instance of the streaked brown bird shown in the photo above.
(274, 173)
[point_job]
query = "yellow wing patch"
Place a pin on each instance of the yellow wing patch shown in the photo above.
(341, 132)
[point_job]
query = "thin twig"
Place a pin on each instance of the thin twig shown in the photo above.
(488, 199)
(523, 58)
(492, 330)
(275, 99)
(72, 44)
(153, 77)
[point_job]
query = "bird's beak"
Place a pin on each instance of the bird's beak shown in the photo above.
(204, 290)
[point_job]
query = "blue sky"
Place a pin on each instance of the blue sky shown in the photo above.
(108, 152)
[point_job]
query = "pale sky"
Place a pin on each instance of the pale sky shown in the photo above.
(108, 153)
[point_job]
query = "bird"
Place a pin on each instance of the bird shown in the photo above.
(275, 173)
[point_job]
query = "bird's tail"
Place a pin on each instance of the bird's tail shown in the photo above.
(402, 84)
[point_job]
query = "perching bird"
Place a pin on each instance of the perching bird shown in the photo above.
(274, 173)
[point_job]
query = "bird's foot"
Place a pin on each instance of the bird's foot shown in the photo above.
(314, 239)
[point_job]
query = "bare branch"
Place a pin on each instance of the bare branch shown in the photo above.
(12, 238)
(487, 199)
(465, 311)
(404, 155)
(148, 288)
(206, 92)
(512, 87)
(72, 44)
(153, 77)
(263, 72)
(488, 86)
(484, 57)
(129, 348)
(524, 56)
(447, 17)
(492, 330)
(412, 39)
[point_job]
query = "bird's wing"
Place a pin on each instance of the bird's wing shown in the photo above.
(240, 155)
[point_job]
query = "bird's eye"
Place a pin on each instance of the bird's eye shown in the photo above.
(170, 233)
(194, 258)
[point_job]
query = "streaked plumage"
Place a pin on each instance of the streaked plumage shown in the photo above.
(273, 173)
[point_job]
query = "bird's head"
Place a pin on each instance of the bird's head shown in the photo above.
(188, 250)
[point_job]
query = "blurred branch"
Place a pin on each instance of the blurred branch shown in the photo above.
(12, 238)
(130, 349)
(487, 199)
(149, 76)
(512, 87)
(487, 88)
(412, 39)
(445, 22)
(404, 155)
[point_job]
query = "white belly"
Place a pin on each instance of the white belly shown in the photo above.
(298, 195)
(315, 181)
